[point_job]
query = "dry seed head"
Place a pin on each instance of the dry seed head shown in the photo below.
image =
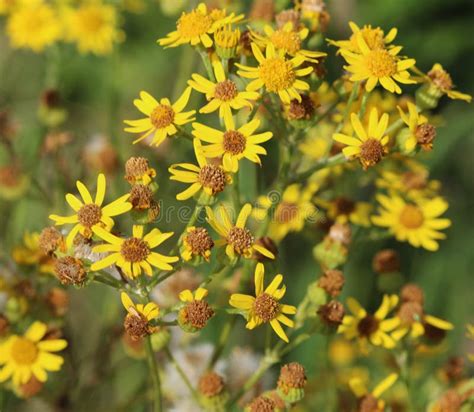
(135, 168)
(331, 313)
(136, 326)
(89, 215)
(340, 232)
(245, 41)
(332, 282)
(371, 152)
(433, 333)
(285, 16)
(292, 375)
(213, 177)
(69, 270)
(266, 307)
(261, 404)
(412, 293)
(410, 312)
(425, 134)
(141, 197)
(344, 206)
(441, 79)
(262, 10)
(234, 142)
(226, 90)
(386, 261)
(303, 110)
(368, 325)
(50, 239)
(211, 384)
(368, 403)
(134, 250)
(197, 313)
(241, 239)
(199, 240)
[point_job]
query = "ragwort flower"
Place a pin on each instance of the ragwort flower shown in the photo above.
(265, 306)
(419, 130)
(370, 400)
(137, 321)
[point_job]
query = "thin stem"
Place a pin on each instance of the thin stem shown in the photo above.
(352, 96)
(363, 104)
(322, 164)
(155, 376)
(236, 192)
(207, 64)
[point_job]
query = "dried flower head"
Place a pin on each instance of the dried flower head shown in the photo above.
(141, 197)
(138, 170)
(197, 242)
(70, 271)
(261, 404)
(332, 282)
(50, 240)
(211, 384)
(331, 313)
(301, 110)
(196, 312)
(386, 261)
(412, 293)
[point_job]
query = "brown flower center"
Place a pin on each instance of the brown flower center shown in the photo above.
(136, 326)
(292, 375)
(412, 293)
(371, 152)
(226, 90)
(368, 325)
(425, 134)
(89, 215)
(411, 217)
(211, 384)
(301, 110)
(49, 239)
(240, 238)
(441, 79)
(262, 404)
(136, 167)
(266, 307)
(199, 240)
(141, 197)
(332, 282)
(69, 270)
(410, 312)
(286, 212)
(24, 351)
(344, 206)
(331, 313)
(414, 180)
(213, 177)
(386, 261)
(134, 250)
(234, 142)
(197, 313)
(368, 403)
(162, 116)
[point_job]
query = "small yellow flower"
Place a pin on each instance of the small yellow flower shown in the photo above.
(33, 26)
(196, 312)
(93, 26)
(89, 213)
(150, 311)
(133, 254)
(137, 321)
(210, 178)
(415, 122)
(237, 238)
(366, 327)
(276, 73)
(374, 37)
(162, 117)
(372, 398)
(287, 39)
(370, 145)
(30, 355)
(223, 95)
(197, 242)
(291, 214)
(265, 306)
(440, 79)
(233, 144)
(382, 66)
(196, 27)
(417, 223)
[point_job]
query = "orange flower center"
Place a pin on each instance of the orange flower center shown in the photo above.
(411, 217)
(212, 177)
(240, 238)
(162, 116)
(266, 307)
(234, 142)
(134, 250)
(371, 152)
(381, 63)
(226, 90)
(89, 215)
(277, 74)
(24, 351)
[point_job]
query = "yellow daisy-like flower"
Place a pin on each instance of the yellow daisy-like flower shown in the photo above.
(196, 27)
(276, 73)
(366, 327)
(233, 144)
(374, 38)
(417, 223)
(34, 26)
(416, 123)
(30, 253)
(237, 238)
(89, 213)
(196, 242)
(210, 178)
(133, 254)
(370, 145)
(93, 26)
(440, 80)
(29, 355)
(292, 213)
(223, 94)
(150, 311)
(287, 39)
(375, 66)
(265, 306)
(162, 117)
(343, 210)
(371, 399)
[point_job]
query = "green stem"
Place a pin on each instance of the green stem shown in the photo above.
(322, 164)
(207, 64)
(363, 104)
(352, 96)
(236, 192)
(155, 376)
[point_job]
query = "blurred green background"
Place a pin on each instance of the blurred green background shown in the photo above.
(98, 93)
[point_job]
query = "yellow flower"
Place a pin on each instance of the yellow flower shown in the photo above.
(30, 253)
(370, 145)
(233, 145)
(196, 27)
(265, 306)
(343, 210)
(210, 178)
(382, 66)
(417, 223)
(34, 26)
(415, 122)
(237, 238)
(276, 73)
(162, 118)
(373, 397)
(370, 328)
(287, 39)
(291, 214)
(90, 214)
(6, 6)
(134, 253)
(187, 296)
(223, 94)
(29, 355)
(196, 242)
(196, 312)
(374, 38)
(317, 145)
(440, 80)
(93, 26)
(150, 311)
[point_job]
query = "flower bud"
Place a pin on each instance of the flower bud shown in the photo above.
(291, 382)
(214, 396)
(332, 282)
(195, 315)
